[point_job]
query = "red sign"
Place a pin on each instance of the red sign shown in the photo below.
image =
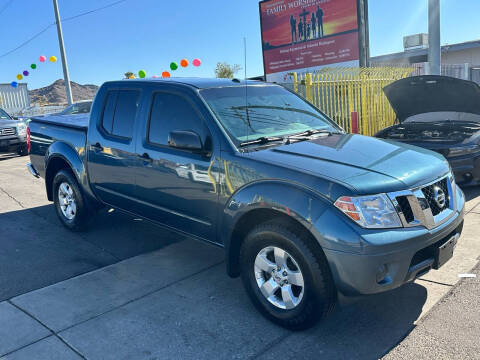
(300, 34)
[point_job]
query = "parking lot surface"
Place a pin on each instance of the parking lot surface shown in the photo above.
(127, 289)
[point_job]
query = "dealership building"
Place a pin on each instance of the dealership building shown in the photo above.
(460, 60)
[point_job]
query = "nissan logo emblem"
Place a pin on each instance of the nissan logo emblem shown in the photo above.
(439, 196)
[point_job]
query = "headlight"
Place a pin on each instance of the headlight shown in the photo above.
(463, 150)
(373, 211)
(21, 129)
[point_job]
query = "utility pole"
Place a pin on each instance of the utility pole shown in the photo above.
(66, 77)
(434, 50)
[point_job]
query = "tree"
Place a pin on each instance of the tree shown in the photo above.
(225, 70)
(129, 75)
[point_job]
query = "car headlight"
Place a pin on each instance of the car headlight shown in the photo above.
(463, 150)
(373, 211)
(21, 129)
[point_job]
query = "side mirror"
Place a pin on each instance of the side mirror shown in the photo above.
(186, 140)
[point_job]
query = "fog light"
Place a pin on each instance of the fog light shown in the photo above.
(382, 272)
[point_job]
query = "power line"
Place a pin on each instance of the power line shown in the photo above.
(27, 41)
(5, 6)
(54, 23)
(93, 10)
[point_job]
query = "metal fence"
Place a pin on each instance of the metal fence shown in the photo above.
(352, 97)
(13, 100)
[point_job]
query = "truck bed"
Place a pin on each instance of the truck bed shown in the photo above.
(79, 121)
(56, 130)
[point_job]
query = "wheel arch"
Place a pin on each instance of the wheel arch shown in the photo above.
(62, 156)
(267, 200)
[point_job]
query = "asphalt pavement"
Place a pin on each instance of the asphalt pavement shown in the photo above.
(129, 290)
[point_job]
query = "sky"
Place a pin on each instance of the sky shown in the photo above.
(149, 34)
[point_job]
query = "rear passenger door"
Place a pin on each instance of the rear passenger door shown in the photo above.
(177, 187)
(111, 148)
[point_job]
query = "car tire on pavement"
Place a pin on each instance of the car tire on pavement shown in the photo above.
(286, 276)
(22, 151)
(69, 202)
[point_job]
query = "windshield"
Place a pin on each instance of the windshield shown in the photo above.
(79, 108)
(439, 116)
(273, 111)
(4, 115)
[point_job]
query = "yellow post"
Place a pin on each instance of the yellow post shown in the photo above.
(308, 87)
(295, 82)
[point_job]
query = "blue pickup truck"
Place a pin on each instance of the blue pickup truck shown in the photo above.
(302, 209)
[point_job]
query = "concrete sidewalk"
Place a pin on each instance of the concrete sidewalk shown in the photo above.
(451, 330)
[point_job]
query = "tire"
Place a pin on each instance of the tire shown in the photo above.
(75, 217)
(22, 151)
(291, 306)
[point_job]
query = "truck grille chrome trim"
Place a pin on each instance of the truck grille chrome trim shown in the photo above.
(429, 205)
(7, 131)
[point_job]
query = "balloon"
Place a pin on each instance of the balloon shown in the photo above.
(42, 58)
(19, 77)
(142, 74)
(26, 73)
(33, 66)
(165, 74)
(196, 62)
(184, 62)
(173, 66)
(14, 84)
(53, 58)
(154, 76)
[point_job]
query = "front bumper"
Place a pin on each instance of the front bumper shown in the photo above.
(466, 169)
(402, 260)
(12, 143)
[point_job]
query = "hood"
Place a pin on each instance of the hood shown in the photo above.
(367, 164)
(431, 93)
(9, 123)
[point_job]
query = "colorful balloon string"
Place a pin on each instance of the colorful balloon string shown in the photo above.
(33, 66)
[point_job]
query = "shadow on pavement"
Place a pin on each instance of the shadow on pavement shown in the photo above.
(8, 156)
(471, 192)
(36, 250)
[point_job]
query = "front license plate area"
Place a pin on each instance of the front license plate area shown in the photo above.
(444, 252)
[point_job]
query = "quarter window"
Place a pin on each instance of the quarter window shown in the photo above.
(119, 112)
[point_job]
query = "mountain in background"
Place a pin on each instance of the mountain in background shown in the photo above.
(55, 93)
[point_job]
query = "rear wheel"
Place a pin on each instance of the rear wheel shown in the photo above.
(69, 201)
(286, 276)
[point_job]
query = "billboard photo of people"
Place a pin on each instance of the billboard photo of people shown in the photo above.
(305, 34)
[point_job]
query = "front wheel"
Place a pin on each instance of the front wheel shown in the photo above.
(22, 151)
(286, 276)
(69, 202)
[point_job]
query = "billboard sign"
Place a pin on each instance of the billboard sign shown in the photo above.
(305, 35)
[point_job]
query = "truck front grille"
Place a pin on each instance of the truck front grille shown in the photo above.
(421, 207)
(7, 131)
(429, 192)
(406, 209)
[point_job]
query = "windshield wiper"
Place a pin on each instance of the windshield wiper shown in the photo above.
(261, 140)
(306, 135)
(310, 133)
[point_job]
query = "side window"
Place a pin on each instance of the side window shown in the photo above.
(108, 111)
(119, 112)
(125, 112)
(171, 112)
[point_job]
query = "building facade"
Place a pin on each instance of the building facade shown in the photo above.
(14, 100)
(460, 60)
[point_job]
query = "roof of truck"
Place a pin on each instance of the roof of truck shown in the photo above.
(202, 83)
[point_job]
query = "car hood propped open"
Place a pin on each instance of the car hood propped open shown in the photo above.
(432, 93)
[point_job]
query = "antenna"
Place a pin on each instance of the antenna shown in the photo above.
(246, 87)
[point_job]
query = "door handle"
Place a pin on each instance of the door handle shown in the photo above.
(97, 147)
(146, 157)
